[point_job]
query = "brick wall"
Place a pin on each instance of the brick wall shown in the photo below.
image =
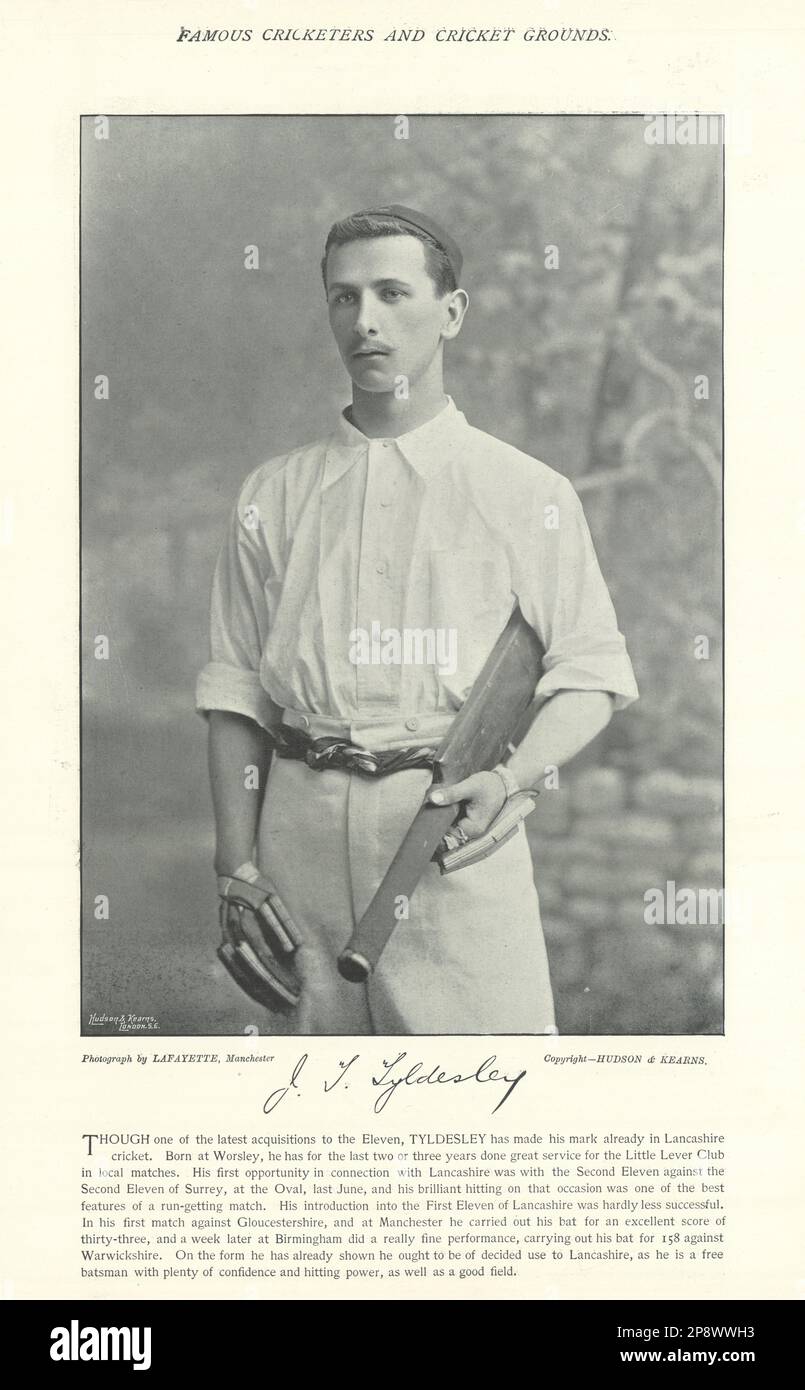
(601, 840)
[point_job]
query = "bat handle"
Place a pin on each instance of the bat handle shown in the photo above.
(353, 966)
(367, 943)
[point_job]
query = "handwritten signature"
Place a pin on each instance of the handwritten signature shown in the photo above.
(399, 1073)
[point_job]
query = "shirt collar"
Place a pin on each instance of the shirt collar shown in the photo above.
(425, 448)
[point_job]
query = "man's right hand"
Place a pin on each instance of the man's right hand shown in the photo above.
(259, 939)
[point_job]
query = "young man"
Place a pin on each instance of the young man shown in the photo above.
(406, 520)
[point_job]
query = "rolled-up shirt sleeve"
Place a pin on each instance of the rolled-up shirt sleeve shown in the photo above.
(564, 597)
(238, 624)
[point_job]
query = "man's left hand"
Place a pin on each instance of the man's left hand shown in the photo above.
(483, 795)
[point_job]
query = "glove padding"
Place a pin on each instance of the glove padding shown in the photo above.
(259, 939)
(452, 854)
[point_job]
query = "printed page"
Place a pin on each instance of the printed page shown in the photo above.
(281, 508)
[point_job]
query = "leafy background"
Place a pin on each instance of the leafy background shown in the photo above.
(589, 366)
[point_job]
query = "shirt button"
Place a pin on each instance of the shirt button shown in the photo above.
(380, 567)
(385, 501)
(412, 724)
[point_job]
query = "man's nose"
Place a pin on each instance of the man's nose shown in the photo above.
(366, 320)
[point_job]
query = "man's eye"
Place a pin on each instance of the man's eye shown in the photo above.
(392, 294)
(343, 297)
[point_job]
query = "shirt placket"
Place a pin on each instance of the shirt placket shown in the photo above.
(379, 605)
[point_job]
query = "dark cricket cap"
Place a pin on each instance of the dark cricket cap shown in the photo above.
(424, 224)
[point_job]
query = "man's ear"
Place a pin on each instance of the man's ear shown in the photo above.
(456, 306)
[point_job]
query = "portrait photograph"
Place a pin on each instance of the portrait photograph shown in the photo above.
(401, 575)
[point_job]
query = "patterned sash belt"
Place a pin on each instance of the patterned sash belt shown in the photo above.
(320, 753)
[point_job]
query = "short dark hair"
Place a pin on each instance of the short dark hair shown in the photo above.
(361, 226)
